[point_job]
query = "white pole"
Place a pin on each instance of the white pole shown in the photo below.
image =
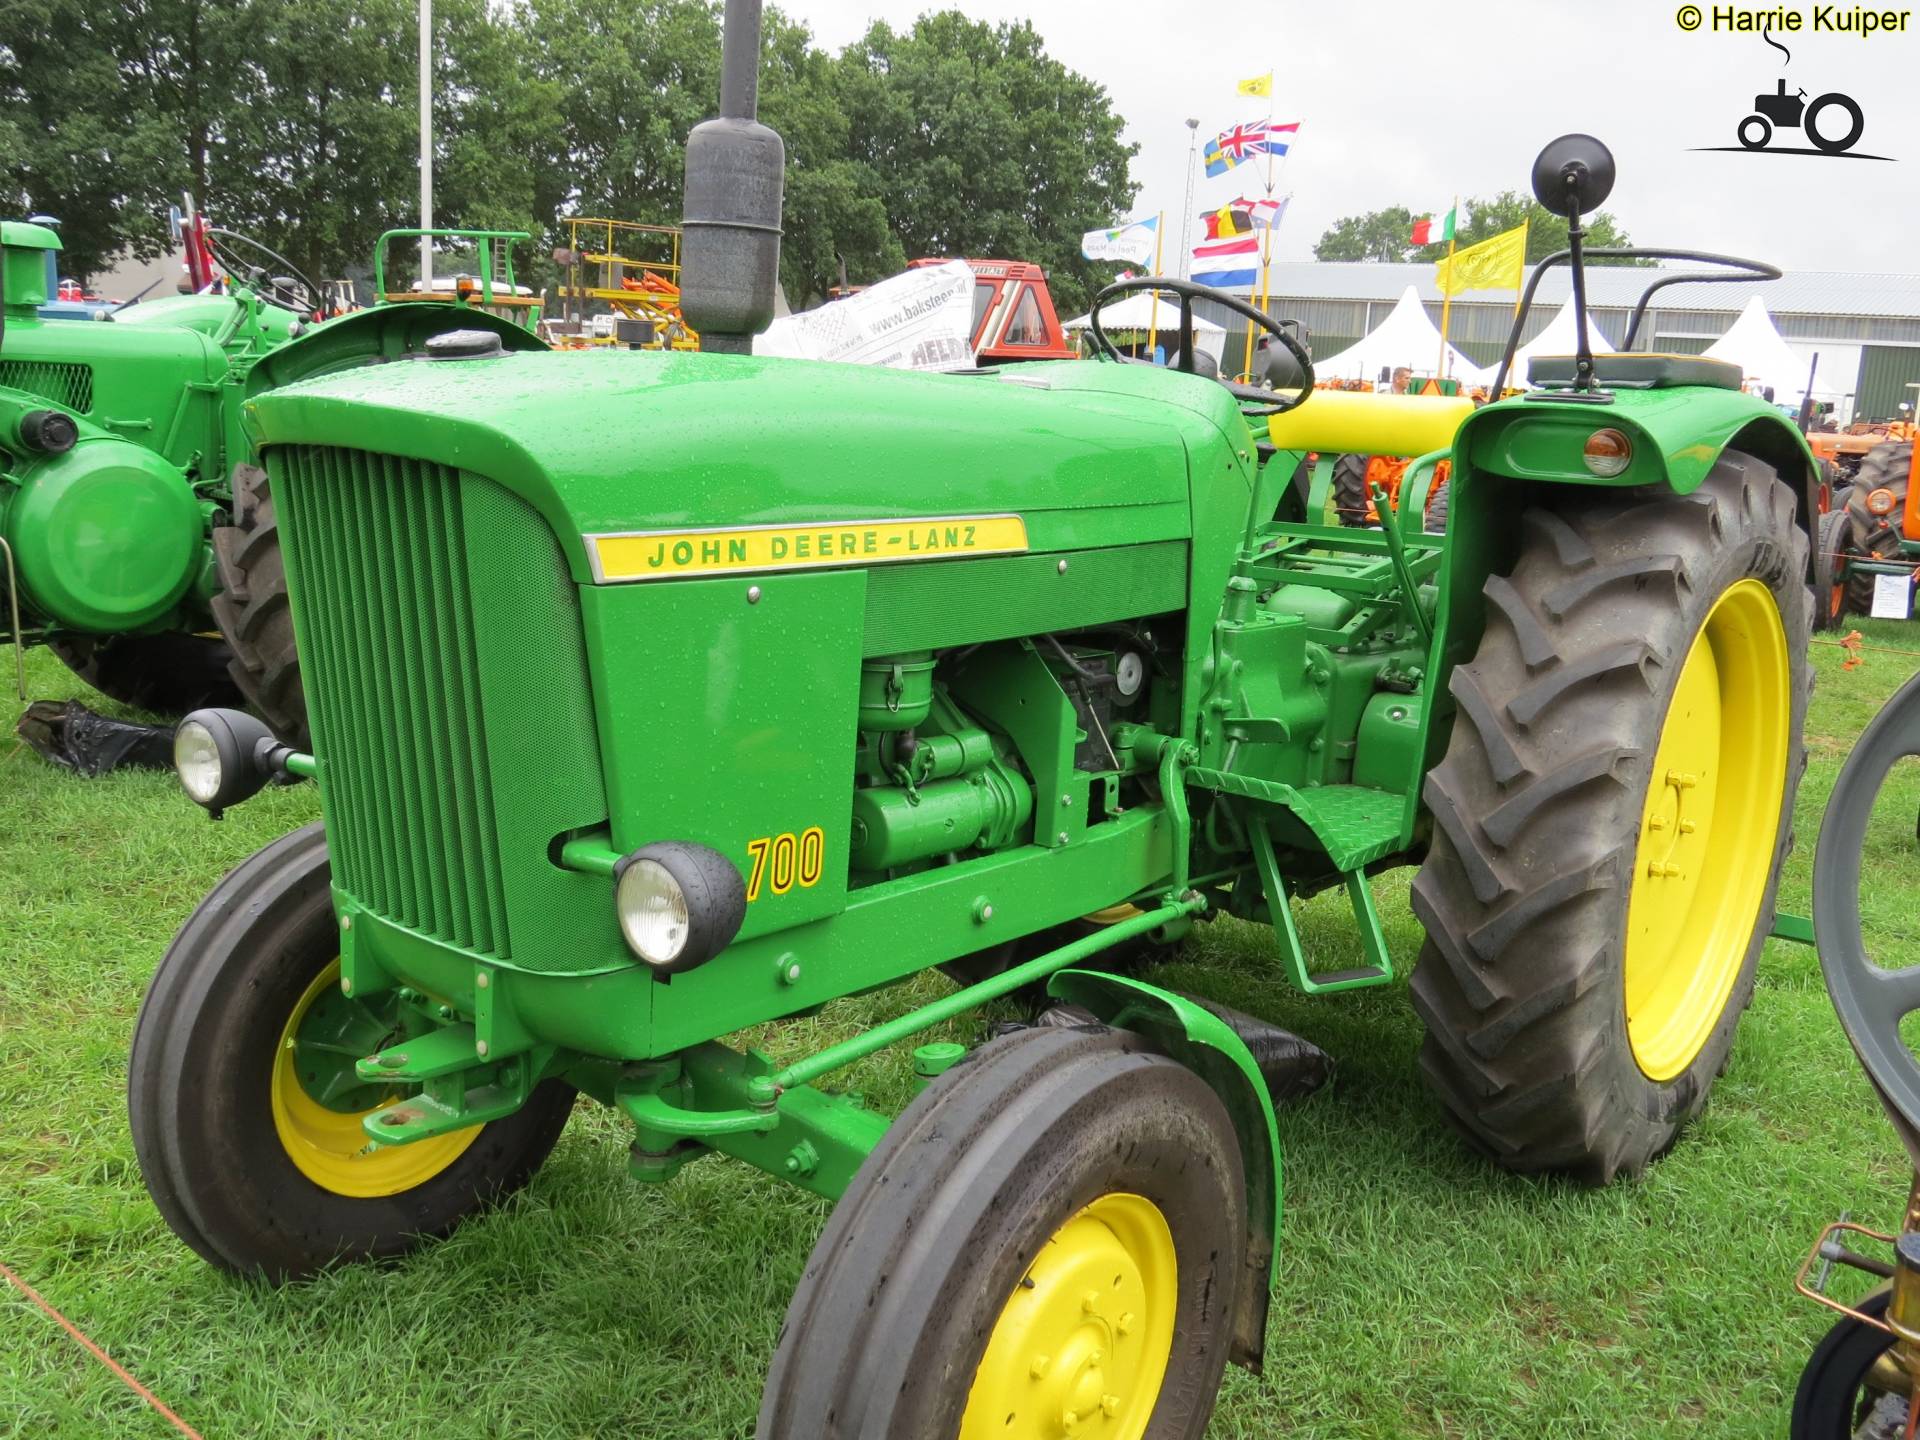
(426, 143)
(1186, 213)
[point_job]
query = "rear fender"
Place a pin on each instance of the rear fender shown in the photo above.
(1204, 1044)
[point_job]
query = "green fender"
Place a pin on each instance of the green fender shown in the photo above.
(382, 333)
(1204, 1044)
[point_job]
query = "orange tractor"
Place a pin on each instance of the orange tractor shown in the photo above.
(1872, 528)
(1358, 479)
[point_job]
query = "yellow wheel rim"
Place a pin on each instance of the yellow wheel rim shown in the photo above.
(1081, 1347)
(327, 1145)
(1707, 834)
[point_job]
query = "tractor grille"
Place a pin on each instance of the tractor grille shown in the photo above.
(388, 643)
(68, 385)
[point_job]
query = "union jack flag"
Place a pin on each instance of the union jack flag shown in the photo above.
(1243, 142)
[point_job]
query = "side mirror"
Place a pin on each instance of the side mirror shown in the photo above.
(1573, 174)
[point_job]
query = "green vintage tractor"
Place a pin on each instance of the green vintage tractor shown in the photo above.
(137, 537)
(656, 696)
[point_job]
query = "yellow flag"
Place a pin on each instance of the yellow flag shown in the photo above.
(1261, 85)
(1496, 264)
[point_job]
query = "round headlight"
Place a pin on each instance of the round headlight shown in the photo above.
(653, 912)
(1608, 453)
(1880, 502)
(678, 904)
(196, 760)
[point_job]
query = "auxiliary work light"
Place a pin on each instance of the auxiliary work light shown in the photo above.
(225, 756)
(1880, 502)
(678, 904)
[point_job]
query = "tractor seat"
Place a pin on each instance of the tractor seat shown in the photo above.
(1635, 371)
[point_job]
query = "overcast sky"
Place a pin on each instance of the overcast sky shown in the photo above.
(1408, 101)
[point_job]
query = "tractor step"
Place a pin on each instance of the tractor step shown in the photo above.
(1355, 824)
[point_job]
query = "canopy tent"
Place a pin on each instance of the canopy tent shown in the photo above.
(1765, 360)
(1136, 312)
(1406, 337)
(1559, 338)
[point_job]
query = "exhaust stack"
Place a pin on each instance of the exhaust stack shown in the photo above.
(736, 167)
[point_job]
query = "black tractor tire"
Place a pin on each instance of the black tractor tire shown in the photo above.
(1437, 498)
(951, 1217)
(200, 1077)
(1876, 537)
(1350, 497)
(169, 673)
(1831, 1401)
(253, 611)
(1831, 549)
(1538, 808)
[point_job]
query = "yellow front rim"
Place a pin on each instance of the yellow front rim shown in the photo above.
(328, 1146)
(1081, 1347)
(1707, 833)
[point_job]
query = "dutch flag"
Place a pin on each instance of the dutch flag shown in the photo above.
(1227, 263)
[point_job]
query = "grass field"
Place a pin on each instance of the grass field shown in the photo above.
(1420, 1293)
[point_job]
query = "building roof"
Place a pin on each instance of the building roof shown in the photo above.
(1799, 292)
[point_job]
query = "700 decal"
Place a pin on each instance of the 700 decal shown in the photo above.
(781, 862)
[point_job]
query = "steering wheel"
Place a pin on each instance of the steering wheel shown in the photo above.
(1870, 1000)
(216, 239)
(1260, 402)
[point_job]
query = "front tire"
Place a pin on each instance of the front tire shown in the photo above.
(1055, 1227)
(1611, 817)
(1833, 1400)
(1830, 552)
(252, 1154)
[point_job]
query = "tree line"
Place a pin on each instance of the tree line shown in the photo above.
(295, 122)
(1386, 235)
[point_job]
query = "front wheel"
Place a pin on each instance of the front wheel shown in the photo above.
(1830, 554)
(1755, 132)
(1611, 817)
(1836, 1398)
(1050, 1241)
(244, 1104)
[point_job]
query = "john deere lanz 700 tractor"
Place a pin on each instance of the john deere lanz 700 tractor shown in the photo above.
(656, 696)
(137, 538)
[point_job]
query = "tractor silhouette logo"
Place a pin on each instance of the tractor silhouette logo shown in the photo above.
(1781, 111)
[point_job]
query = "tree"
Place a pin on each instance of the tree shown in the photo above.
(1387, 235)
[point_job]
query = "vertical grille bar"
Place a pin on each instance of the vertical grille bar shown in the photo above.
(389, 642)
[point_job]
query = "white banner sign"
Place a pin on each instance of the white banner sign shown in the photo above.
(1132, 243)
(922, 320)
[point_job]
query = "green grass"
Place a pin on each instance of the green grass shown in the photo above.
(1420, 1293)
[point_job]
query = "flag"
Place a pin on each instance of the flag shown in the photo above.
(1496, 264)
(1226, 262)
(1133, 241)
(1232, 219)
(1233, 147)
(1423, 229)
(1260, 85)
(1265, 214)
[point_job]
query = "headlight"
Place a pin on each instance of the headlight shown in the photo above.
(1608, 453)
(224, 756)
(679, 905)
(1880, 502)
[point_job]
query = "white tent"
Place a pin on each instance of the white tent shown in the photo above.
(1561, 337)
(1406, 337)
(1136, 312)
(1763, 357)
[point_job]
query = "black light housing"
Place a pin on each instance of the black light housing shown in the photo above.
(225, 756)
(678, 904)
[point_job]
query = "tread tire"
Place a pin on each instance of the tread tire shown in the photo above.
(169, 673)
(253, 611)
(197, 1088)
(1825, 1401)
(893, 1312)
(1832, 593)
(1885, 467)
(1537, 810)
(1350, 498)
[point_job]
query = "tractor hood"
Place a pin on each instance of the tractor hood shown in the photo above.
(611, 443)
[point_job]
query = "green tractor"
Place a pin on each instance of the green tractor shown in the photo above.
(138, 537)
(657, 696)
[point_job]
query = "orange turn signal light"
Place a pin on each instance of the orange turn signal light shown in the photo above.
(1608, 453)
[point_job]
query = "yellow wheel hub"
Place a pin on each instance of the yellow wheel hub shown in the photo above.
(1081, 1348)
(326, 1144)
(1707, 833)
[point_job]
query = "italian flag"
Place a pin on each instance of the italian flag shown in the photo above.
(1426, 232)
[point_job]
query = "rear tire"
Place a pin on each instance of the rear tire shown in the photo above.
(1876, 537)
(200, 1089)
(1350, 499)
(169, 673)
(253, 611)
(949, 1280)
(1437, 508)
(1540, 806)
